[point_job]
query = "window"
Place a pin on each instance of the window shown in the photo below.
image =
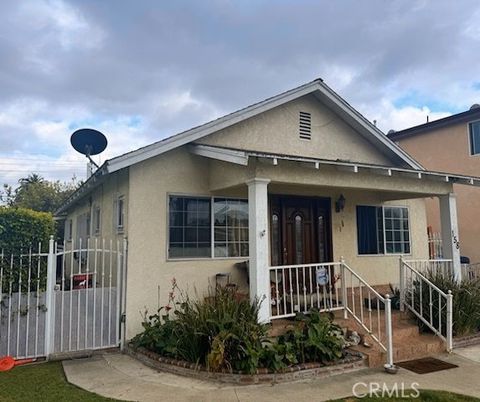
(305, 125)
(83, 226)
(207, 227)
(230, 228)
(97, 216)
(120, 213)
(383, 230)
(474, 131)
(68, 229)
(190, 227)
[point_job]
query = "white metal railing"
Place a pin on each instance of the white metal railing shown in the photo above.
(369, 308)
(22, 302)
(62, 298)
(435, 266)
(298, 288)
(332, 287)
(435, 248)
(471, 272)
(431, 305)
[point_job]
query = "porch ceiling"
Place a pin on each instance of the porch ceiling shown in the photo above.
(389, 179)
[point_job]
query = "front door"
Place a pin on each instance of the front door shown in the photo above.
(300, 230)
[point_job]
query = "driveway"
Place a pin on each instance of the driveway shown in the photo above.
(122, 377)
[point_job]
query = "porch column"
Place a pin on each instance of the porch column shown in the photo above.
(258, 245)
(449, 225)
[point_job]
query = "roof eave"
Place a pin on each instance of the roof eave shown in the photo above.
(93, 181)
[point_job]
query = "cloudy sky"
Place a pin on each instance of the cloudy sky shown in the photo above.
(142, 70)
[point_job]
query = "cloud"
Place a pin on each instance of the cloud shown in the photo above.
(141, 71)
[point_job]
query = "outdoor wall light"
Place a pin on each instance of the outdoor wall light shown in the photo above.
(340, 203)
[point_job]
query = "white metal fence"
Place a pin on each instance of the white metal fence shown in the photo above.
(434, 266)
(62, 299)
(332, 287)
(432, 306)
(471, 272)
(435, 248)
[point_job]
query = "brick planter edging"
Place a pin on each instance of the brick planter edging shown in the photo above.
(468, 340)
(301, 371)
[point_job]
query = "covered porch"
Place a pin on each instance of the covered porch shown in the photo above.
(330, 234)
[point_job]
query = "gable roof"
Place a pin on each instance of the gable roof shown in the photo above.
(463, 117)
(317, 87)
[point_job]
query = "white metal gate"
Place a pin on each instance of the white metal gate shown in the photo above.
(65, 299)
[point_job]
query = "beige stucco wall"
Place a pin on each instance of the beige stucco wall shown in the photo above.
(103, 196)
(149, 271)
(448, 150)
(277, 131)
(179, 172)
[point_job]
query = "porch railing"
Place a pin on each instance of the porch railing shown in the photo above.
(471, 272)
(332, 287)
(432, 306)
(436, 266)
(298, 288)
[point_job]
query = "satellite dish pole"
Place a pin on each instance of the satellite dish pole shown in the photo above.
(88, 142)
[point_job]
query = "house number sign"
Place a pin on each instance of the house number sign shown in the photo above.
(322, 276)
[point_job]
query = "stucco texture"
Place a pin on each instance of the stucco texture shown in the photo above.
(277, 131)
(448, 150)
(179, 172)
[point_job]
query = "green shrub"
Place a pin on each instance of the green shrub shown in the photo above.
(223, 333)
(315, 338)
(21, 230)
(24, 228)
(466, 303)
(218, 331)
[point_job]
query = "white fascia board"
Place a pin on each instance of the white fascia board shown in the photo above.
(221, 154)
(366, 125)
(377, 169)
(196, 133)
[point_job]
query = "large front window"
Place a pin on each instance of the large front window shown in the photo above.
(231, 227)
(383, 230)
(191, 227)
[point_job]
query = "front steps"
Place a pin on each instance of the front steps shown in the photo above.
(408, 342)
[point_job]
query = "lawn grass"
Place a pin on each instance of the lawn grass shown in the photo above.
(425, 396)
(41, 382)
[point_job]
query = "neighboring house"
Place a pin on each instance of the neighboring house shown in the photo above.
(299, 178)
(451, 144)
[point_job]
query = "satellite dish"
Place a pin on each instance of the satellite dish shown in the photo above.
(474, 106)
(88, 142)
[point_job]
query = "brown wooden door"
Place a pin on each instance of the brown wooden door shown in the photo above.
(300, 230)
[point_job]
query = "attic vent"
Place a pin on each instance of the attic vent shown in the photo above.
(305, 125)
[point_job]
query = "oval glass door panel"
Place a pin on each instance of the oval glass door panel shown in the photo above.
(298, 239)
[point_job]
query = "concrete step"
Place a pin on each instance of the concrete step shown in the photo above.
(408, 342)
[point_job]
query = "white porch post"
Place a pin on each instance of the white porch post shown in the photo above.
(258, 245)
(450, 241)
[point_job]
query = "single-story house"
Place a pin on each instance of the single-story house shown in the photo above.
(297, 179)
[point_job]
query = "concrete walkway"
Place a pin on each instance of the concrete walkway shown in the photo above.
(122, 377)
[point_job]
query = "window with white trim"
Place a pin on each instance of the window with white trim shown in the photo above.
(119, 211)
(83, 226)
(230, 227)
(97, 220)
(383, 230)
(190, 227)
(474, 132)
(68, 229)
(207, 227)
